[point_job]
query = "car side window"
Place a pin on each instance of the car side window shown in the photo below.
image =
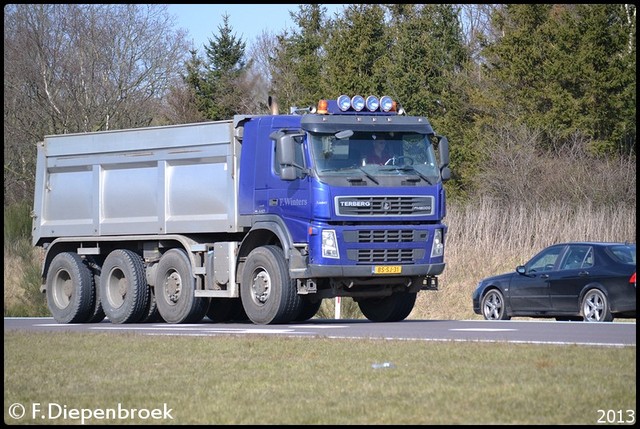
(577, 257)
(544, 261)
(588, 260)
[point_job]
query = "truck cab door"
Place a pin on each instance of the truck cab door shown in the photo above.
(288, 186)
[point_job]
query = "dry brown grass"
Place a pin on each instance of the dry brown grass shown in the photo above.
(13, 272)
(22, 265)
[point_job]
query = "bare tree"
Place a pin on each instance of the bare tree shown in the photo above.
(262, 53)
(476, 23)
(73, 68)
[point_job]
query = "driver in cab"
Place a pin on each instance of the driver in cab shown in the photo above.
(379, 154)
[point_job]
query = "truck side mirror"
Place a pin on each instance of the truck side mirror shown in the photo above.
(443, 150)
(445, 174)
(286, 156)
(288, 173)
(286, 150)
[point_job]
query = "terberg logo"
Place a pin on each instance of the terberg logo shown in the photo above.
(355, 203)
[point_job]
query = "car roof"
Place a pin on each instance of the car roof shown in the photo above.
(596, 243)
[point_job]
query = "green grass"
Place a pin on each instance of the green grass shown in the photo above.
(279, 380)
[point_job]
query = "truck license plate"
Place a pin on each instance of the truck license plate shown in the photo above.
(387, 269)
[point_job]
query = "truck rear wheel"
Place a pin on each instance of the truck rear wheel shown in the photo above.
(97, 314)
(268, 293)
(175, 290)
(391, 308)
(123, 287)
(151, 313)
(70, 290)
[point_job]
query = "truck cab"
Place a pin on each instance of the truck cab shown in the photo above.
(348, 224)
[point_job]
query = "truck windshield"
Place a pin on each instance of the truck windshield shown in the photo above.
(375, 154)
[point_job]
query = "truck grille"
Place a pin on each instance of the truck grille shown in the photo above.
(398, 253)
(384, 206)
(383, 256)
(385, 236)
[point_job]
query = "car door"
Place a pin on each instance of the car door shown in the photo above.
(575, 272)
(529, 292)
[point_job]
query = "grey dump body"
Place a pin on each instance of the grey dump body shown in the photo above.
(161, 180)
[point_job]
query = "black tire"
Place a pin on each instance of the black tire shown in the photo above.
(493, 306)
(175, 290)
(70, 291)
(595, 307)
(268, 294)
(392, 308)
(308, 308)
(226, 310)
(123, 287)
(97, 315)
(151, 314)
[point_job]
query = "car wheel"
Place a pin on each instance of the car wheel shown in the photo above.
(595, 307)
(493, 306)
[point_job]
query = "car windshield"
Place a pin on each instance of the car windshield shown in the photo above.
(375, 154)
(624, 253)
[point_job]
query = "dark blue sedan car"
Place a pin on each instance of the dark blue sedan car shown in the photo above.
(591, 281)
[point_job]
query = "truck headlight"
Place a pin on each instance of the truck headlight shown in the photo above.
(329, 244)
(437, 248)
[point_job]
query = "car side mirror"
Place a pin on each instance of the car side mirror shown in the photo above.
(520, 269)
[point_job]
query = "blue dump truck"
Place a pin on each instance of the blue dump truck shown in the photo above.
(257, 218)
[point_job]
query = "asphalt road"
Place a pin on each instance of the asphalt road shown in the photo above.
(615, 334)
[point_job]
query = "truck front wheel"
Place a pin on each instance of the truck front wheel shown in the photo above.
(70, 290)
(268, 294)
(175, 290)
(391, 308)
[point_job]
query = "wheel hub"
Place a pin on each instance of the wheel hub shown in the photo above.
(173, 287)
(261, 287)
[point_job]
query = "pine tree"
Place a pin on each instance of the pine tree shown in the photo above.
(218, 79)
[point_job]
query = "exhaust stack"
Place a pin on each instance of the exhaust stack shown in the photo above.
(273, 105)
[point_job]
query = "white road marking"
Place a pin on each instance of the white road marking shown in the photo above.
(483, 329)
(220, 330)
(61, 325)
(318, 326)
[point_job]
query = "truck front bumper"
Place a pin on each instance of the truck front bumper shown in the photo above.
(320, 271)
